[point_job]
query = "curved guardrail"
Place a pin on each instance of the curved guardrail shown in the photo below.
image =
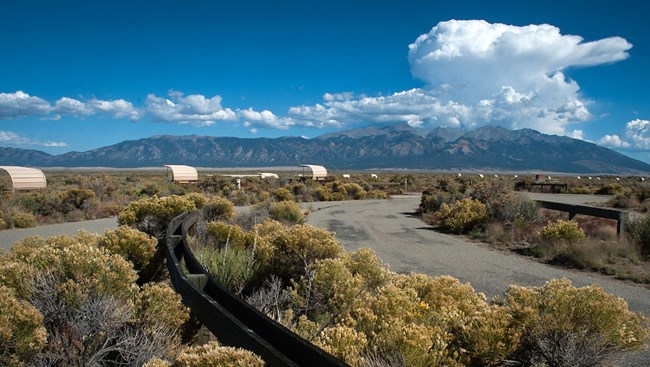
(233, 321)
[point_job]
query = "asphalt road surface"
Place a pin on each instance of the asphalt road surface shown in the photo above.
(409, 245)
(8, 237)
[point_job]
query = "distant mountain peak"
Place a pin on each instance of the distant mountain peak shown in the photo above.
(386, 146)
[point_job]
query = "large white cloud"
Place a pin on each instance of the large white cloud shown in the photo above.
(478, 73)
(11, 138)
(20, 104)
(193, 109)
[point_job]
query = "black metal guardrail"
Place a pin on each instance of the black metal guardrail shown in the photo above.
(233, 321)
(573, 210)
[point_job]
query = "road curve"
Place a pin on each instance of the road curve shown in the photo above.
(409, 245)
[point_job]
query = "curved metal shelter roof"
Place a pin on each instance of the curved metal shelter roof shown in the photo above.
(23, 178)
(318, 172)
(183, 174)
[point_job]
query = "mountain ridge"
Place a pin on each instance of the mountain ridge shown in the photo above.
(388, 146)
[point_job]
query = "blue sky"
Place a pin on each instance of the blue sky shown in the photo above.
(79, 75)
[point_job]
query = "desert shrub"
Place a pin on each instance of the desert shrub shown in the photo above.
(23, 220)
(327, 290)
(282, 194)
(86, 268)
(563, 325)
(75, 198)
(462, 215)
(431, 200)
(365, 263)
(220, 234)
(40, 202)
(562, 231)
(612, 189)
(354, 191)
(638, 231)
(376, 194)
(90, 305)
(218, 208)
(158, 305)
(135, 246)
(322, 193)
(214, 355)
(623, 201)
(22, 333)
(291, 250)
(152, 215)
(286, 212)
(198, 199)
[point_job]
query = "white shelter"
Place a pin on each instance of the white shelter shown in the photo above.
(268, 175)
(183, 174)
(318, 172)
(23, 178)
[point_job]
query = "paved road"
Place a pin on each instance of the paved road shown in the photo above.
(8, 237)
(407, 245)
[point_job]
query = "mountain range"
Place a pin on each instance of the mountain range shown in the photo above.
(392, 146)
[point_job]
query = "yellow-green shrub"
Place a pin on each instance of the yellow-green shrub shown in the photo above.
(585, 325)
(23, 220)
(299, 246)
(286, 212)
(89, 302)
(152, 215)
(21, 329)
(218, 234)
(282, 194)
(159, 304)
(133, 245)
(462, 215)
(562, 231)
(218, 208)
(214, 355)
(78, 260)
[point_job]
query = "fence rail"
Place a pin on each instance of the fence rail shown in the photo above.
(573, 210)
(233, 321)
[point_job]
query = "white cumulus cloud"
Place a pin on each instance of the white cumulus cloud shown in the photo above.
(264, 119)
(193, 109)
(613, 141)
(20, 104)
(517, 70)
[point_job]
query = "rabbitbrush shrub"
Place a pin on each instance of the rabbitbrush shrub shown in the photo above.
(562, 231)
(562, 325)
(462, 215)
(87, 301)
(152, 215)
